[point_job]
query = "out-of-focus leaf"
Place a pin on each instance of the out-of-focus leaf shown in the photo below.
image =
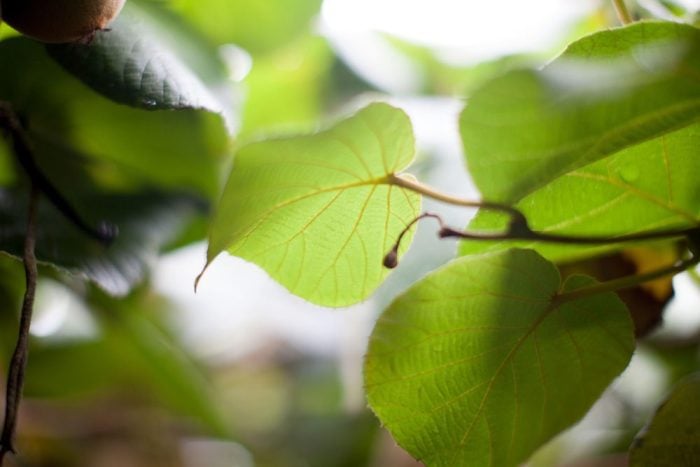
(254, 25)
(179, 150)
(285, 89)
(146, 218)
(606, 92)
(131, 353)
(477, 364)
(319, 212)
(131, 64)
(673, 435)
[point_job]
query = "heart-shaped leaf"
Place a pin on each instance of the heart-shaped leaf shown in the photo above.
(319, 212)
(479, 364)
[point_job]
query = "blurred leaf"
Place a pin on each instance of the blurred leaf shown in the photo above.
(476, 365)
(606, 92)
(318, 212)
(146, 218)
(189, 143)
(131, 64)
(645, 187)
(256, 26)
(673, 435)
(285, 89)
(131, 355)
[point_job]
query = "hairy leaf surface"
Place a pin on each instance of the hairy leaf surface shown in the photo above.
(476, 365)
(606, 92)
(318, 212)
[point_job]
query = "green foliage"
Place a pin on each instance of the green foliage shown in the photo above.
(319, 212)
(130, 65)
(606, 92)
(673, 435)
(478, 365)
(480, 362)
(645, 187)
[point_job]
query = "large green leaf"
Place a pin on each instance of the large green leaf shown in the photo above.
(606, 92)
(319, 212)
(132, 63)
(477, 365)
(645, 187)
(673, 435)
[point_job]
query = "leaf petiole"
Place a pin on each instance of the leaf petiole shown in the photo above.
(623, 13)
(624, 282)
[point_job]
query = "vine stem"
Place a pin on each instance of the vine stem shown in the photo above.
(623, 282)
(18, 364)
(430, 192)
(623, 13)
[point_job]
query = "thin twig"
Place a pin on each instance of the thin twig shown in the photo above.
(623, 282)
(18, 364)
(623, 13)
(518, 229)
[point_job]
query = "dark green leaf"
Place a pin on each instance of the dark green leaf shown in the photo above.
(132, 64)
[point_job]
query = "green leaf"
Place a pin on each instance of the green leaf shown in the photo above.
(673, 435)
(132, 64)
(190, 143)
(606, 92)
(318, 212)
(476, 365)
(650, 186)
(257, 26)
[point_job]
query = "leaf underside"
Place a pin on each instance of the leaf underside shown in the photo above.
(318, 212)
(474, 365)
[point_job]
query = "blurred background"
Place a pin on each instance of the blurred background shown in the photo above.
(244, 374)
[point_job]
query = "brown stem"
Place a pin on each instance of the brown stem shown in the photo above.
(518, 229)
(18, 364)
(623, 13)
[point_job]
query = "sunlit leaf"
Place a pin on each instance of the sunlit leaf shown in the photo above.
(318, 212)
(606, 92)
(673, 435)
(477, 365)
(646, 187)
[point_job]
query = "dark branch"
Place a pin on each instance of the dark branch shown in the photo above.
(518, 229)
(18, 364)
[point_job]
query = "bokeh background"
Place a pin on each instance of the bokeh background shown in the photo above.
(244, 374)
